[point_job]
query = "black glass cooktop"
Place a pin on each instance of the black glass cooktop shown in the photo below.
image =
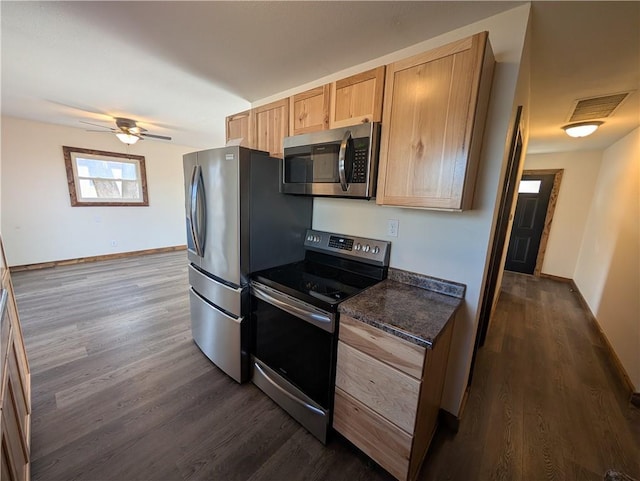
(321, 280)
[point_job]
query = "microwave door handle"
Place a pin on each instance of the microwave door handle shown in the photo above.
(196, 228)
(342, 155)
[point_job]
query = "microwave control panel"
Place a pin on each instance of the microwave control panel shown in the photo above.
(360, 158)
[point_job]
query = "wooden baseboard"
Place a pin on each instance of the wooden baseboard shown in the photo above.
(634, 397)
(104, 257)
(556, 278)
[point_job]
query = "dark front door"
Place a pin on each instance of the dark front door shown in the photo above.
(528, 223)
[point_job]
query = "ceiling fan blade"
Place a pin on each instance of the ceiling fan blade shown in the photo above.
(101, 126)
(162, 137)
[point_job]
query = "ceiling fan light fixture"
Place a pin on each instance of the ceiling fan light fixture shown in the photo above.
(129, 139)
(582, 129)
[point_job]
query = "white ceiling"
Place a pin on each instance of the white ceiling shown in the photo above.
(180, 67)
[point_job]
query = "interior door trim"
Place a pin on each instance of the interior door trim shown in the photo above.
(551, 207)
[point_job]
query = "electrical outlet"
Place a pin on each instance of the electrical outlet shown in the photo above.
(114, 243)
(392, 227)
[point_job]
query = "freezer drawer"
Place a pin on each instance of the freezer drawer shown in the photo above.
(223, 296)
(220, 337)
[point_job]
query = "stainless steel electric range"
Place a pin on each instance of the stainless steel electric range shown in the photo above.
(294, 320)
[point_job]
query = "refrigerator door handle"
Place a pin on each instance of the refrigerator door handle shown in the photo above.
(197, 230)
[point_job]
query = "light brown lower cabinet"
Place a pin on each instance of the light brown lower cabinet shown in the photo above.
(15, 393)
(388, 394)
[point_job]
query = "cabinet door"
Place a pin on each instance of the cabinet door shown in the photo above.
(357, 99)
(309, 111)
(237, 127)
(435, 109)
(269, 126)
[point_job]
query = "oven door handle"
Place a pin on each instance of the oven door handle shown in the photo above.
(318, 318)
(288, 394)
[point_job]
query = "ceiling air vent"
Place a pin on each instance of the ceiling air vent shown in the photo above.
(596, 107)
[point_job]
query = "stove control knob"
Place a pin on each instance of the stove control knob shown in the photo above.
(375, 250)
(358, 246)
(366, 248)
(310, 238)
(316, 238)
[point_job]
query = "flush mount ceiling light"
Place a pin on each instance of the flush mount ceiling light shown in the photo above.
(582, 129)
(129, 139)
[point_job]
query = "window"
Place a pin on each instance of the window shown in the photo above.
(529, 186)
(105, 178)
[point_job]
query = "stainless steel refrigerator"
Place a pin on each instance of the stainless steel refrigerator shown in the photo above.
(237, 223)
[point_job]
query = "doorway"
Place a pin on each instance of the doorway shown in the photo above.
(509, 189)
(537, 194)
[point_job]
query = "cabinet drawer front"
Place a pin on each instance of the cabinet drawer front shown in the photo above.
(386, 347)
(383, 442)
(14, 444)
(387, 391)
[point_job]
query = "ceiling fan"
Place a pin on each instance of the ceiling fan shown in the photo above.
(127, 131)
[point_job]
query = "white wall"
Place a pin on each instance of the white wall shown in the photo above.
(1, 177)
(452, 246)
(572, 208)
(608, 267)
(38, 222)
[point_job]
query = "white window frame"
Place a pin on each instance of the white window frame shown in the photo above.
(71, 154)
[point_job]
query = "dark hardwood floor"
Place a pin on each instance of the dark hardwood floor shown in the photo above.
(121, 392)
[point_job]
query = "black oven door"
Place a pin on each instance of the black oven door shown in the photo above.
(295, 340)
(293, 350)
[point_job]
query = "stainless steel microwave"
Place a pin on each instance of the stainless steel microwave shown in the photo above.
(332, 163)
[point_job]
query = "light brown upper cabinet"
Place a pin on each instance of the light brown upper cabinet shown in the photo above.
(269, 126)
(238, 127)
(309, 111)
(434, 115)
(357, 99)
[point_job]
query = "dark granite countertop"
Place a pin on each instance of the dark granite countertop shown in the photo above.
(408, 305)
